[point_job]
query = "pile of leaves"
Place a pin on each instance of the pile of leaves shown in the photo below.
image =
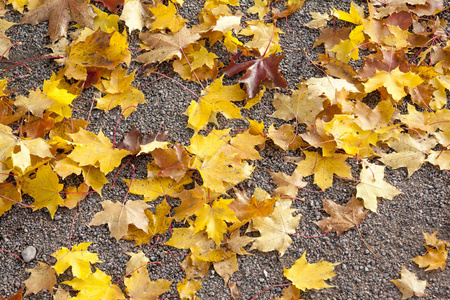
(390, 111)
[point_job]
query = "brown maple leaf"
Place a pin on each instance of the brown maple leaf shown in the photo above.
(342, 218)
(59, 13)
(258, 70)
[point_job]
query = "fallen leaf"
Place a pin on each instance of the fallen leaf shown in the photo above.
(409, 285)
(118, 216)
(96, 286)
(257, 71)
(42, 277)
(45, 188)
(59, 13)
(310, 276)
(323, 168)
(276, 228)
(372, 186)
(342, 218)
(78, 258)
(95, 150)
(287, 185)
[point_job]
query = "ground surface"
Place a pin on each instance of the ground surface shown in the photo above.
(394, 234)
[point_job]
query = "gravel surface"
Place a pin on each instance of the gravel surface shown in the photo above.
(395, 233)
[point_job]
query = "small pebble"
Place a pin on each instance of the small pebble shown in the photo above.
(29, 254)
(57, 218)
(261, 280)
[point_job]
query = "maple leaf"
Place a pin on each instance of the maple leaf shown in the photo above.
(349, 136)
(299, 105)
(75, 195)
(310, 276)
(166, 17)
(372, 186)
(225, 268)
(258, 70)
(287, 185)
(173, 162)
(207, 146)
(323, 168)
(96, 286)
(42, 277)
(342, 218)
(348, 49)
(95, 150)
(285, 137)
(8, 192)
(45, 188)
(133, 13)
(276, 228)
(157, 223)
(436, 253)
(98, 51)
(395, 82)
(118, 216)
(265, 37)
(188, 288)
(328, 86)
(164, 46)
(409, 285)
(5, 43)
(154, 186)
(191, 201)
(260, 8)
(410, 152)
(78, 258)
(213, 218)
(318, 20)
(119, 91)
(220, 172)
(215, 98)
(236, 242)
(59, 13)
(243, 146)
(138, 284)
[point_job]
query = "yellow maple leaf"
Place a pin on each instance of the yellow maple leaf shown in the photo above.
(155, 186)
(45, 188)
(29, 148)
(243, 146)
(310, 276)
(395, 82)
(78, 258)
(119, 216)
(355, 16)
(5, 43)
(213, 218)
(372, 185)
(260, 8)
(8, 192)
(166, 17)
(275, 229)
(436, 255)
(265, 36)
(36, 102)
(100, 50)
(119, 91)
(157, 223)
(231, 43)
(188, 288)
(323, 168)
(348, 49)
(53, 89)
(220, 172)
(349, 136)
(95, 150)
(207, 146)
(202, 58)
(215, 98)
(138, 285)
(96, 286)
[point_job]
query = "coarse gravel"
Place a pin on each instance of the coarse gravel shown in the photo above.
(395, 233)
